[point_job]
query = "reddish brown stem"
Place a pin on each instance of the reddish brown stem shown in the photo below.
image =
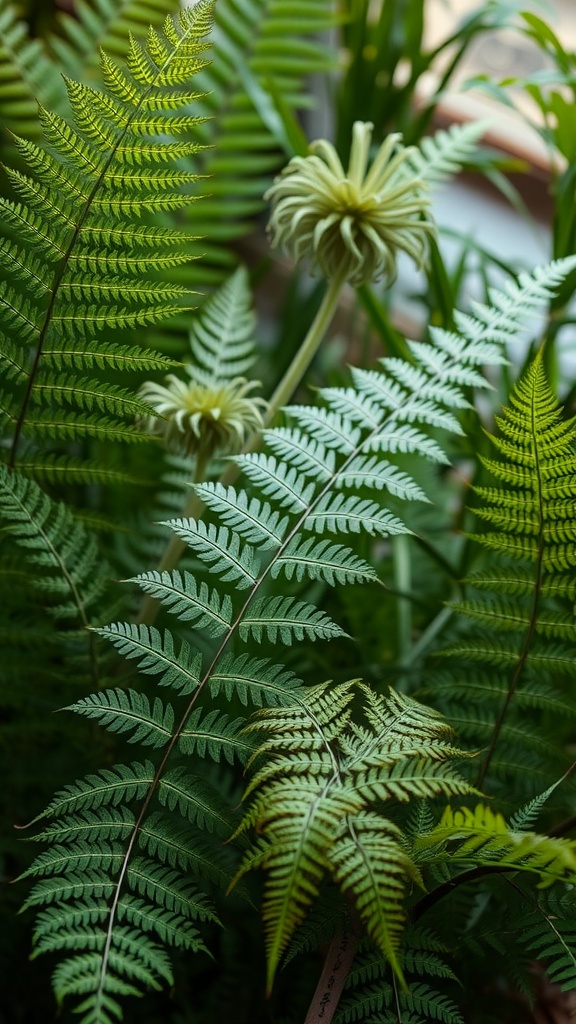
(336, 967)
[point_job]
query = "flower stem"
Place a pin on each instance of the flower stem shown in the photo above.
(284, 391)
(307, 350)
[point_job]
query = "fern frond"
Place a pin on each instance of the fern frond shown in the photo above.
(81, 206)
(128, 711)
(548, 933)
(220, 549)
(222, 334)
(215, 734)
(524, 629)
(314, 818)
(156, 654)
(482, 836)
(257, 680)
(287, 619)
(317, 763)
(112, 786)
(190, 601)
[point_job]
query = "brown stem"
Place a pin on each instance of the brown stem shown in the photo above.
(338, 962)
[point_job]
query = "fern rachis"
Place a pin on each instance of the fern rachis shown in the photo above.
(262, 538)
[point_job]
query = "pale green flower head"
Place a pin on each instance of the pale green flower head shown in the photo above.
(203, 418)
(352, 224)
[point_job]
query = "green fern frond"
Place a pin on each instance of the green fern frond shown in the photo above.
(156, 654)
(108, 786)
(482, 836)
(28, 74)
(319, 764)
(64, 572)
(257, 680)
(315, 817)
(524, 625)
(129, 711)
(549, 934)
(222, 336)
(79, 209)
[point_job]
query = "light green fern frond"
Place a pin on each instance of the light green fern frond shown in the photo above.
(69, 278)
(481, 836)
(315, 816)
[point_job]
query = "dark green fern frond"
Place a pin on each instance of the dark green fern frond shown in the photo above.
(64, 562)
(323, 771)
(78, 225)
(29, 75)
(549, 935)
(524, 626)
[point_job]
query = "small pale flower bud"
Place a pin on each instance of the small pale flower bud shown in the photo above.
(203, 418)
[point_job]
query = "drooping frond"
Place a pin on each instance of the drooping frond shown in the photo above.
(522, 647)
(79, 239)
(549, 935)
(259, 545)
(58, 556)
(315, 815)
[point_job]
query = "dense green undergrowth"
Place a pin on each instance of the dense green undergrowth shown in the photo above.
(312, 650)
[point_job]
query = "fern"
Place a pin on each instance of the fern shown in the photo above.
(264, 52)
(102, 24)
(61, 570)
(317, 808)
(481, 836)
(28, 75)
(523, 628)
(70, 275)
(168, 821)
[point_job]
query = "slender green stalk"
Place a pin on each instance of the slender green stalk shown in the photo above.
(403, 584)
(284, 391)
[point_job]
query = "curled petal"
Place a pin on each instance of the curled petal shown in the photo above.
(352, 224)
(202, 418)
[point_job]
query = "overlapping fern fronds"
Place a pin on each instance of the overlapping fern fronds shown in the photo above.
(81, 255)
(232, 619)
(521, 652)
(264, 53)
(29, 76)
(320, 786)
(102, 24)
